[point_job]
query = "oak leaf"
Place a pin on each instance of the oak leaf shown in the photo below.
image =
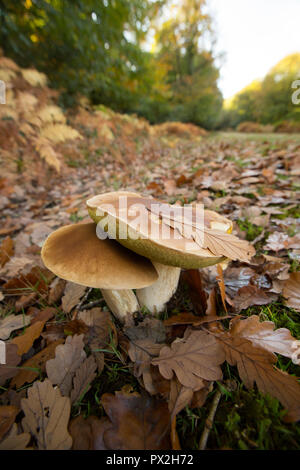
(38, 361)
(68, 357)
(291, 291)
(193, 358)
(9, 369)
(6, 250)
(83, 377)
(180, 397)
(262, 334)
(12, 323)
(72, 295)
(139, 422)
(256, 365)
(46, 416)
(15, 441)
(25, 341)
(87, 434)
(7, 417)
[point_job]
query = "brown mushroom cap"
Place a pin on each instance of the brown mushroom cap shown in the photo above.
(171, 252)
(75, 253)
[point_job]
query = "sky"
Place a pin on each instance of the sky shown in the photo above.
(254, 35)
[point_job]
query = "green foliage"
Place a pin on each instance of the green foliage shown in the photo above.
(269, 100)
(191, 74)
(96, 48)
(89, 47)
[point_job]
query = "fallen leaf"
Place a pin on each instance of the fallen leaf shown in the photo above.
(193, 359)
(263, 334)
(7, 418)
(72, 295)
(15, 441)
(101, 328)
(83, 377)
(68, 357)
(56, 290)
(38, 361)
(46, 416)
(12, 323)
(6, 250)
(9, 369)
(87, 434)
(251, 295)
(180, 397)
(256, 365)
(138, 422)
(26, 340)
(25, 300)
(291, 291)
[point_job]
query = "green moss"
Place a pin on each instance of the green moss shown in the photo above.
(251, 230)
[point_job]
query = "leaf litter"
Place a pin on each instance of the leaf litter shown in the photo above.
(174, 363)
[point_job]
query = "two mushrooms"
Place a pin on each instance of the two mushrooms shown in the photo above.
(139, 243)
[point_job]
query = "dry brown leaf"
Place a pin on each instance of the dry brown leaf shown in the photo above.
(277, 241)
(256, 365)
(87, 434)
(68, 358)
(194, 358)
(174, 436)
(6, 250)
(46, 416)
(12, 323)
(291, 291)
(83, 377)
(7, 418)
(15, 441)
(72, 295)
(56, 290)
(35, 280)
(180, 397)
(12, 359)
(43, 315)
(225, 244)
(141, 352)
(38, 361)
(101, 328)
(25, 300)
(251, 295)
(25, 341)
(138, 422)
(263, 334)
(221, 285)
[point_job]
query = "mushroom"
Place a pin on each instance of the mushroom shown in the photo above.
(125, 251)
(75, 253)
(115, 213)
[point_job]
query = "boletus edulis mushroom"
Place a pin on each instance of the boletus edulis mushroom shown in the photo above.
(140, 243)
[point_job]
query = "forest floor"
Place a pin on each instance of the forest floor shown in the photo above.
(253, 180)
(116, 393)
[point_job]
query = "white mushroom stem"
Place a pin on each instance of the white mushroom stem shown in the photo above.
(156, 296)
(121, 302)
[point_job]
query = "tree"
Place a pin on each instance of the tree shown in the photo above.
(90, 47)
(191, 71)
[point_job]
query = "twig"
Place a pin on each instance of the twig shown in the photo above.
(92, 304)
(89, 290)
(209, 420)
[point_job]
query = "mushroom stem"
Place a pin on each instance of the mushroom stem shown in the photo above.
(156, 296)
(121, 302)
